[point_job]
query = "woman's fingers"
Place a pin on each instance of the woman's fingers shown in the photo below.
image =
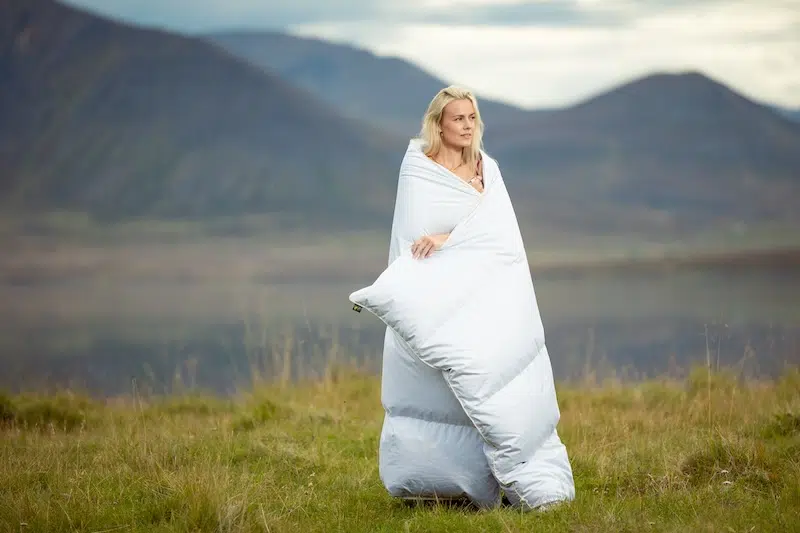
(430, 246)
(423, 247)
(416, 248)
(423, 251)
(420, 247)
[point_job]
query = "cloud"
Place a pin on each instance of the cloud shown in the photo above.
(539, 53)
(196, 16)
(201, 16)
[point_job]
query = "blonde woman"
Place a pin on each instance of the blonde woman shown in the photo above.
(452, 132)
(467, 386)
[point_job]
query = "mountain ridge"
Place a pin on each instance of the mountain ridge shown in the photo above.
(121, 121)
(160, 117)
(346, 76)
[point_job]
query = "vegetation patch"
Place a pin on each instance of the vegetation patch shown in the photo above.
(782, 425)
(263, 411)
(727, 462)
(646, 456)
(62, 412)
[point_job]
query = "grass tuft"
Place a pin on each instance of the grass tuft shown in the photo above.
(788, 386)
(701, 381)
(64, 412)
(189, 404)
(8, 410)
(262, 412)
(727, 462)
(782, 425)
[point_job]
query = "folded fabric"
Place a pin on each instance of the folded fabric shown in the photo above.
(467, 386)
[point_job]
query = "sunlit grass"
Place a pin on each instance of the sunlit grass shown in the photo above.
(709, 453)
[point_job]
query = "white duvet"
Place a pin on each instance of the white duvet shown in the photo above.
(467, 386)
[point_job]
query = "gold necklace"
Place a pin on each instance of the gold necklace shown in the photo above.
(445, 166)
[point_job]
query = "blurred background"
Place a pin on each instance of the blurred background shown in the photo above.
(189, 190)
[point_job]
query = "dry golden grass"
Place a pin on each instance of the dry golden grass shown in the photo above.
(711, 453)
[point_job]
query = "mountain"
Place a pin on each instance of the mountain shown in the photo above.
(672, 151)
(791, 114)
(387, 91)
(122, 121)
(667, 151)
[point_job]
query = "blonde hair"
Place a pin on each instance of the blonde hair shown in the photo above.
(430, 132)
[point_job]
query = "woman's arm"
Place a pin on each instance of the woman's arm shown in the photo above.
(425, 246)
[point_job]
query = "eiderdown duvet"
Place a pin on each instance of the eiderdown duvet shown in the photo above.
(467, 386)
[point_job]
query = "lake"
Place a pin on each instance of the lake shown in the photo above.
(109, 336)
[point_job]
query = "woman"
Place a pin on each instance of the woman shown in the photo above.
(467, 386)
(453, 134)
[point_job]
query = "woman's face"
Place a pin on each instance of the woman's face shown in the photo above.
(458, 123)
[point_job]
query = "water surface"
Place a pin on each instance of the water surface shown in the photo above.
(111, 337)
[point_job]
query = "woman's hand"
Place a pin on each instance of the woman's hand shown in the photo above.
(425, 246)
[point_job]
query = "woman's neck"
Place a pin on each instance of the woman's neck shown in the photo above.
(449, 157)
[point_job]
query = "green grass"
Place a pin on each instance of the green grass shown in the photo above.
(712, 453)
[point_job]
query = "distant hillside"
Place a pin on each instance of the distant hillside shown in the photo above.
(669, 150)
(119, 121)
(791, 114)
(116, 120)
(387, 91)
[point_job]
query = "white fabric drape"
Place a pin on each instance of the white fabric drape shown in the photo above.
(467, 386)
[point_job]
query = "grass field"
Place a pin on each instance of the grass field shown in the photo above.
(710, 453)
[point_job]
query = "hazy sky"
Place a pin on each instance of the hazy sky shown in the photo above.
(537, 53)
